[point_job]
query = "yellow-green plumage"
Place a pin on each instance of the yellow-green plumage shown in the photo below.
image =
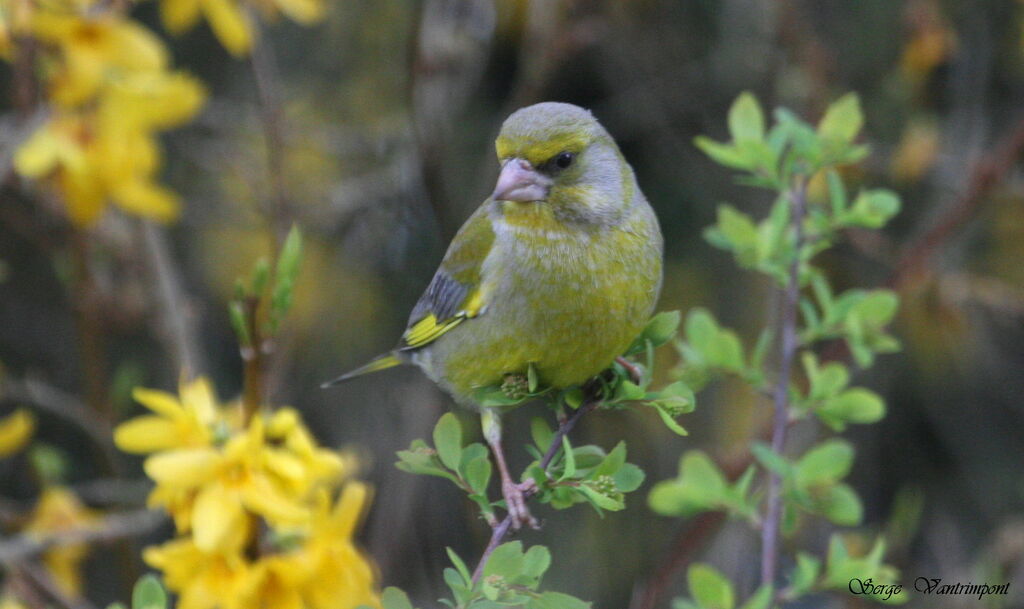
(565, 282)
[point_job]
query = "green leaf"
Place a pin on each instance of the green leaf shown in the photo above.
(723, 154)
(260, 275)
(541, 434)
(826, 463)
(878, 307)
(506, 560)
(600, 500)
(536, 561)
(709, 587)
(669, 421)
(873, 208)
(291, 255)
(531, 378)
(477, 473)
(149, 593)
(612, 463)
(761, 599)
(805, 574)
(700, 486)
(557, 600)
(236, 313)
(843, 119)
(772, 460)
(459, 565)
(662, 327)
(570, 460)
(628, 478)
(842, 506)
(393, 598)
(857, 405)
(448, 440)
(746, 120)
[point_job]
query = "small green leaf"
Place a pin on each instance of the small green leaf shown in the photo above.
(842, 506)
(541, 433)
(448, 440)
(746, 120)
(557, 600)
(612, 463)
(531, 378)
(478, 474)
(149, 593)
(843, 119)
(723, 154)
(536, 561)
(662, 327)
(761, 599)
(628, 478)
(506, 560)
(772, 460)
(260, 275)
(601, 500)
(459, 565)
(570, 460)
(236, 313)
(805, 574)
(873, 208)
(710, 588)
(826, 463)
(393, 598)
(857, 405)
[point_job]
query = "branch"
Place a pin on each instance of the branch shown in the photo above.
(177, 324)
(500, 531)
(788, 346)
(112, 528)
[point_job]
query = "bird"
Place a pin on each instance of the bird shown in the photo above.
(559, 270)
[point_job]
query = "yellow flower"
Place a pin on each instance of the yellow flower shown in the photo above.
(229, 21)
(246, 477)
(60, 510)
(93, 47)
(15, 431)
(202, 580)
(110, 154)
(8, 601)
(177, 423)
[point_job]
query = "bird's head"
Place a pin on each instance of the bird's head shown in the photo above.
(557, 155)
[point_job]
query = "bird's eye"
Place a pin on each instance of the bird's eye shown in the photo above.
(563, 160)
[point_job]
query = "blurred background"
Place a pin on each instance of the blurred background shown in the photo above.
(388, 112)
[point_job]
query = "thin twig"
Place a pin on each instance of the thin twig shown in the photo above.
(177, 325)
(112, 528)
(40, 579)
(788, 346)
(500, 531)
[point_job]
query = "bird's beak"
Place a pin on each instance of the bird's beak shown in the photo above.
(519, 181)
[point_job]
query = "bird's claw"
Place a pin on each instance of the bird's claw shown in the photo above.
(515, 501)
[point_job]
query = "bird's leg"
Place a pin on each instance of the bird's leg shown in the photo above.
(513, 493)
(634, 372)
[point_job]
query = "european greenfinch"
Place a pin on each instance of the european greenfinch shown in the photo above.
(559, 269)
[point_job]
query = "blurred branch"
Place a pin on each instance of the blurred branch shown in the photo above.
(112, 528)
(35, 576)
(177, 325)
(264, 72)
(789, 344)
(63, 405)
(990, 171)
(499, 532)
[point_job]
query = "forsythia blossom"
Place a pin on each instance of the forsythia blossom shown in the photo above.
(254, 504)
(111, 93)
(228, 18)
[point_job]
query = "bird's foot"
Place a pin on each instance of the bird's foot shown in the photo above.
(634, 371)
(515, 501)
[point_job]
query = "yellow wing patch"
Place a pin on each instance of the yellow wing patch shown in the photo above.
(428, 329)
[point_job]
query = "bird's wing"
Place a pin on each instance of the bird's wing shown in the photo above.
(454, 294)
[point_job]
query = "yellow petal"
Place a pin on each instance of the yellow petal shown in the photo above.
(179, 15)
(217, 519)
(160, 402)
(135, 47)
(81, 78)
(15, 431)
(84, 196)
(230, 25)
(285, 465)
(349, 509)
(263, 498)
(185, 468)
(305, 12)
(147, 199)
(200, 399)
(39, 155)
(148, 434)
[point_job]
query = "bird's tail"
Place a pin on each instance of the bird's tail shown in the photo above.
(380, 362)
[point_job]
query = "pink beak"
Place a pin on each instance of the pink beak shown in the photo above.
(520, 182)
